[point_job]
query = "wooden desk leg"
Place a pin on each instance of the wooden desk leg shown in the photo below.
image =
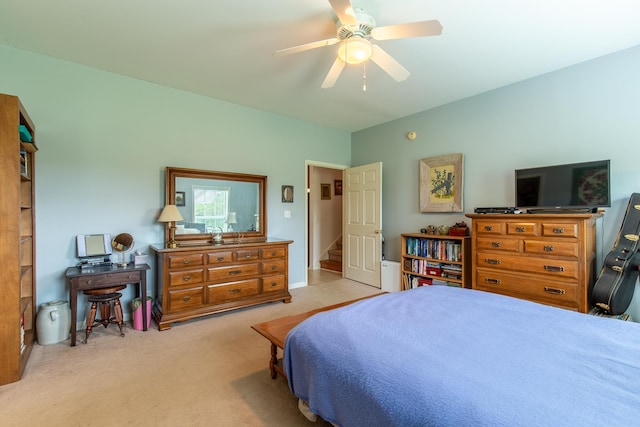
(274, 361)
(74, 310)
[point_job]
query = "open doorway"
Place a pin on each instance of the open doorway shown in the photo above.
(324, 215)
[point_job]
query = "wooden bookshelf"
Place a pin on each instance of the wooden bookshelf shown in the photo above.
(435, 259)
(17, 240)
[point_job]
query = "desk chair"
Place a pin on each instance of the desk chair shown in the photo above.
(104, 297)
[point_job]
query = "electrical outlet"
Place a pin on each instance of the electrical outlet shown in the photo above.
(287, 214)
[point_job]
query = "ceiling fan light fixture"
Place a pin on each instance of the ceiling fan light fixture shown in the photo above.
(355, 50)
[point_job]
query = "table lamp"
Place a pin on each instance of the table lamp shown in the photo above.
(231, 220)
(171, 214)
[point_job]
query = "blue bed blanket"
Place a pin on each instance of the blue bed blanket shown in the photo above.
(442, 356)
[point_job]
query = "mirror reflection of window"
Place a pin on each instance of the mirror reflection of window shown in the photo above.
(211, 206)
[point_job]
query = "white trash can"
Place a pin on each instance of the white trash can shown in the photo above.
(53, 323)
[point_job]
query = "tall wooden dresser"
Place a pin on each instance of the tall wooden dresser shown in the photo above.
(546, 258)
(17, 238)
(195, 281)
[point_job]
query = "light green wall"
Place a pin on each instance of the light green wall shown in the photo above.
(586, 112)
(106, 139)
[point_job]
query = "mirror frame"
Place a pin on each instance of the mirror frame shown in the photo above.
(172, 173)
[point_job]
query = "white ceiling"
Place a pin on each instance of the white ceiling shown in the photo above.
(223, 49)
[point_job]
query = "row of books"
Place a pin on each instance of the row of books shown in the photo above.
(425, 266)
(411, 282)
(449, 250)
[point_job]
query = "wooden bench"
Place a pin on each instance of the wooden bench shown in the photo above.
(276, 331)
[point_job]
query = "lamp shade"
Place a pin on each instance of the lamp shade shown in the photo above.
(170, 213)
(231, 219)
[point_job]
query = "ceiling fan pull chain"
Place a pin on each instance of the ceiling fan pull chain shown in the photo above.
(364, 77)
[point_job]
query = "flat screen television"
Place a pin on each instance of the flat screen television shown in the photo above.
(576, 186)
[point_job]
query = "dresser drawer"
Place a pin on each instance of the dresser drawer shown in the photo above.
(548, 267)
(271, 267)
(497, 244)
(219, 257)
(124, 278)
(489, 227)
(538, 247)
(185, 260)
(247, 254)
(523, 228)
(232, 272)
(527, 287)
(217, 294)
(273, 283)
(269, 253)
(559, 230)
(184, 299)
(186, 277)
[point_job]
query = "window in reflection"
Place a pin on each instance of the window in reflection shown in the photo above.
(211, 206)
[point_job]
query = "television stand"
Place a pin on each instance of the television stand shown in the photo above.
(584, 210)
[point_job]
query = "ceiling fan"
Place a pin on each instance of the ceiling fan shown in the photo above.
(354, 31)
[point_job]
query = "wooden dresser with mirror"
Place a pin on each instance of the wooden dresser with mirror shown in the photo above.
(223, 259)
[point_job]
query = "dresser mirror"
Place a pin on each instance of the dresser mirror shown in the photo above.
(225, 204)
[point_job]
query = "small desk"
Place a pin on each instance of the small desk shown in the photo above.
(106, 277)
(276, 331)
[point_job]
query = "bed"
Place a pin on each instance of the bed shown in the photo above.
(444, 356)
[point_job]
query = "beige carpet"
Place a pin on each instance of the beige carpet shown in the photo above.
(208, 372)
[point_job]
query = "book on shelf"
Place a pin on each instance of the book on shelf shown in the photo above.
(22, 344)
(24, 163)
(410, 281)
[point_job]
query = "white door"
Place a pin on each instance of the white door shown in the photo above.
(362, 228)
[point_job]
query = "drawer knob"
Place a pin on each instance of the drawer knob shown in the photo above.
(247, 256)
(520, 229)
(488, 228)
(186, 278)
(186, 298)
(186, 261)
(234, 291)
(495, 244)
(492, 261)
(548, 248)
(493, 281)
(274, 253)
(235, 272)
(553, 268)
(554, 291)
(558, 230)
(274, 284)
(274, 268)
(220, 258)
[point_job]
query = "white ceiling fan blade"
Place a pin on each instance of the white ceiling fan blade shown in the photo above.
(306, 46)
(388, 64)
(333, 74)
(404, 31)
(344, 10)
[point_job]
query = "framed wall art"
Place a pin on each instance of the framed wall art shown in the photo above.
(337, 187)
(179, 198)
(325, 191)
(287, 194)
(441, 183)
